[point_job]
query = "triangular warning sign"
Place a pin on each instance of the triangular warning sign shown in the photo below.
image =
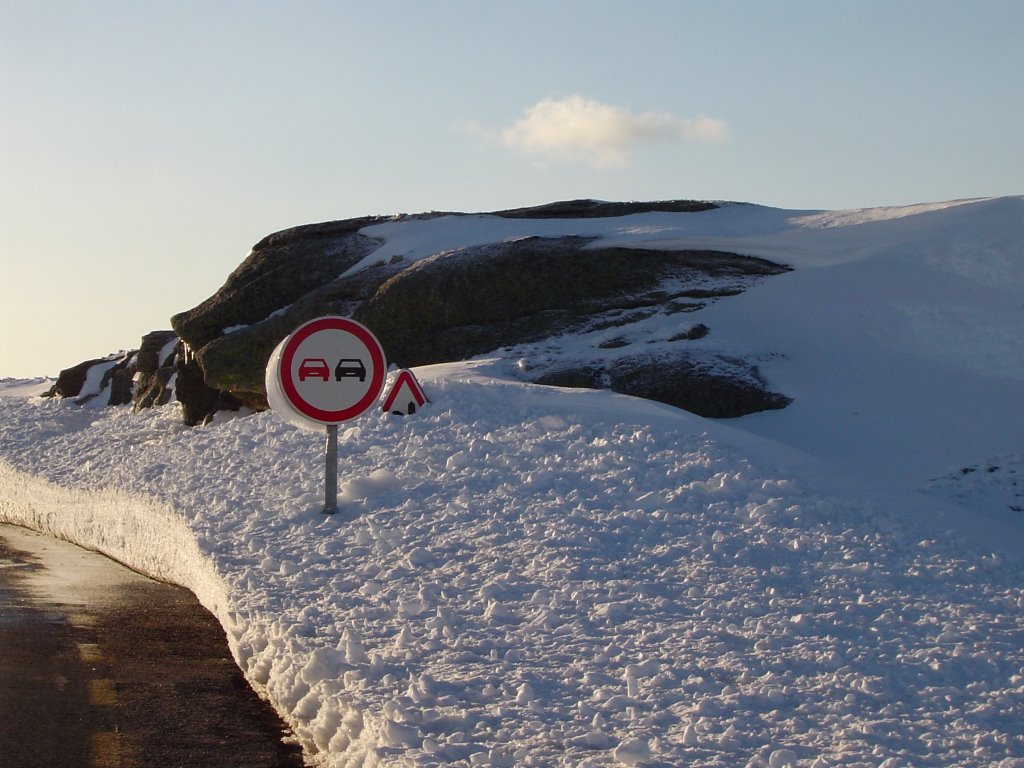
(406, 395)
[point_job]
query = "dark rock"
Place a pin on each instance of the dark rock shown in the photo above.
(294, 275)
(455, 306)
(156, 364)
(225, 402)
(595, 209)
(699, 331)
(721, 388)
(197, 400)
(236, 361)
(111, 380)
(290, 277)
(281, 269)
(119, 381)
(718, 388)
(153, 353)
(71, 380)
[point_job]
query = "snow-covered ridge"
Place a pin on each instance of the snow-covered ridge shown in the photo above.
(811, 237)
(527, 576)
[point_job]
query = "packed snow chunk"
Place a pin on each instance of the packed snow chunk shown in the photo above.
(308, 707)
(633, 752)
(324, 664)
(361, 488)
(418, 557)
(394, 734)
(728, 737)
(498, 612)
(325, 728)
(457, 461)
(525, 694)
(782, 758)
(553, 423)
(612, 612)
(690, 737)
(595, 739)
(355, 652)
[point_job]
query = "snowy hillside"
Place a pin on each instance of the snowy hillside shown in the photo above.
(523, 575)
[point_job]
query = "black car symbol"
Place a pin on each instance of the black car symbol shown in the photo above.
(350, 367)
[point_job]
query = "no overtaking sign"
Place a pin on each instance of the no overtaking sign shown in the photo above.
(332, 369)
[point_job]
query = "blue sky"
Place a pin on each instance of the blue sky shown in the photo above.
(146, 146)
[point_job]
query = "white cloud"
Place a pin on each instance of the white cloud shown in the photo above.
(574, 128)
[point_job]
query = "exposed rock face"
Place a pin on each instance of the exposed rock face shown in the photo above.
(593, 209)
(718, 388)
(288, 278)
(105, 380)
(507, 297)
(456, 305)
(198, 401)
(71, 380)
(156, 365)
(157, 373)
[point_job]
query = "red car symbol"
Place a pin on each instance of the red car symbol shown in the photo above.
(314, 368)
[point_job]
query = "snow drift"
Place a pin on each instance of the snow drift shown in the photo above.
(525, 575)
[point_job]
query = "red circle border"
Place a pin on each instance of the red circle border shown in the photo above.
(377, 361)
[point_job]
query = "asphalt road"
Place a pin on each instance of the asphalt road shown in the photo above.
(103, 668)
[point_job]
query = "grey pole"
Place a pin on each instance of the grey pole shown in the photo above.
(331, 471)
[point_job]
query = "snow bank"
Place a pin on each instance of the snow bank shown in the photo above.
(524, 576)
(149, 537)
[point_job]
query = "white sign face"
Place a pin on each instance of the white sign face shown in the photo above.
(331, 369)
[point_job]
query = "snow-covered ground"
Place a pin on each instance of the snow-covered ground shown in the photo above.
(527, 576)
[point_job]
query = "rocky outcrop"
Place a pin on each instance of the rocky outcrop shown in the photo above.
(155, 374)
(104, 381)
(713, 386)
(288, 278)
(501, 297)
(455, 306)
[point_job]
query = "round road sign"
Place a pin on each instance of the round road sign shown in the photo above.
(331, 369)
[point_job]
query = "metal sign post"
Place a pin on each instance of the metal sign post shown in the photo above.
(331, 471)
